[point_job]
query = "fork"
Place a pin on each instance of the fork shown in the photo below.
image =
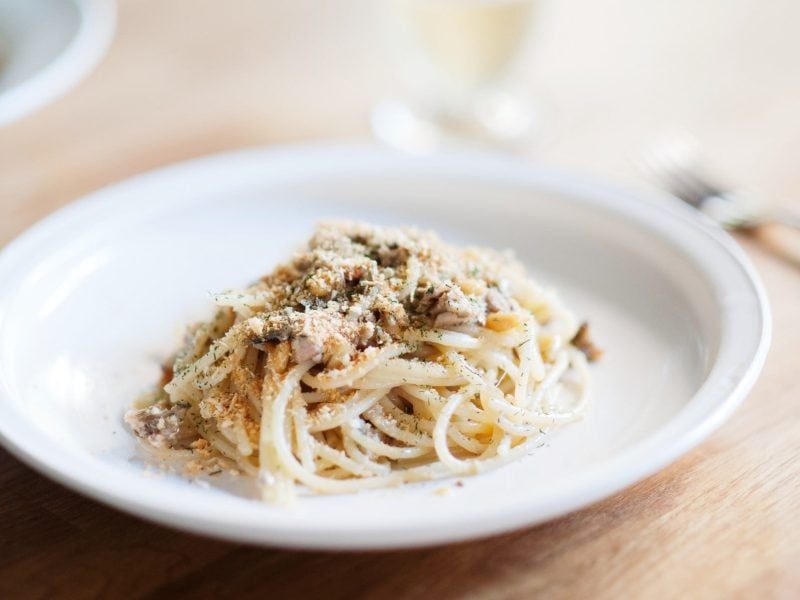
(673, 163)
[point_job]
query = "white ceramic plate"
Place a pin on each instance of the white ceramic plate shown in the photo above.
(95, 296)
(46, 47)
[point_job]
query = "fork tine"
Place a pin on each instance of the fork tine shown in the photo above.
(673, 161)
(669, 174)
(705, 187)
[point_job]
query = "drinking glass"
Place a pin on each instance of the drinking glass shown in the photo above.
(455, 59)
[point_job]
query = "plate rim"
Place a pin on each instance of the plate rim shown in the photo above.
(587, 189)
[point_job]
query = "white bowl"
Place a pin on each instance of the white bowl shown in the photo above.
(95, 296)
(46, 47)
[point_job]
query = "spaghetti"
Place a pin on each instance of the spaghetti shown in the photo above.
(375, 357)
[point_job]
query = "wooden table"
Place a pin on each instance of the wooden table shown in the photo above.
(188, 77)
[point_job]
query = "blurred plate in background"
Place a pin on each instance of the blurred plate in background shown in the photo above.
(46, 47)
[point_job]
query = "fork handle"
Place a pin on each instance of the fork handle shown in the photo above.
(780, 238)
(784, 217)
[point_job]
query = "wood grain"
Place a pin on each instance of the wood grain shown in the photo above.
(188, 77)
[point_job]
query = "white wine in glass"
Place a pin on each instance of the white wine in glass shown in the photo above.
(455, 58)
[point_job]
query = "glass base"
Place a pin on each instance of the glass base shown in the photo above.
(492, 119)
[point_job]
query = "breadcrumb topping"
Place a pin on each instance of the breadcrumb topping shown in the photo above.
(357, 286)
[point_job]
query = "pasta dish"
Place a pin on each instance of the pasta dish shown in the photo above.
(375, 357)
